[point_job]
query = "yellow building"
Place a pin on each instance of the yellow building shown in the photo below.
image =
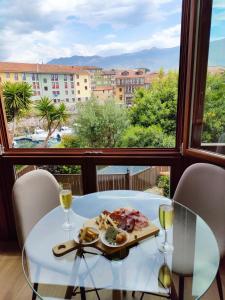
(83, 85)
(119, 94)
(103, 93)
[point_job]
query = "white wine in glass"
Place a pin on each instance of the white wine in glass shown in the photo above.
(164, 277)
(65, 196)
(166, 215)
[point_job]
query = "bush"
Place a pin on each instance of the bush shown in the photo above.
(62, 169)
(70, 141)
(163, 182)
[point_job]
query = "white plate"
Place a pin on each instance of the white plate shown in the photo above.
(76, 238)
(105, 242)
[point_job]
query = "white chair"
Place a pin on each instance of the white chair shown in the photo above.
(34, 195)
(202, 189)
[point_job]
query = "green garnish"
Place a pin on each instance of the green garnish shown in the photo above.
(110, 235)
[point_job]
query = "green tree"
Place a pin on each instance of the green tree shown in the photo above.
(153, 136)
(214, 108)
(158, 104)
(17, 100)
(100, 125)
(53, 116)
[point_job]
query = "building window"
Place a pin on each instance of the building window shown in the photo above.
(34, 85)
(57, 85)
(78, 83)
(120, 89)
(72, 92)
(121, 97)
(65, 77)
(78, 99)
(58, 92)
(73, 99)
(52, 77)
(53, 85)
(85, 80)
(24, 76)
(72, 85)
(78, 92)
(87, 88)
(67, 99)
(45, 88)
(86, 98)
(77, 76)
(58, 100)
(66, 85)
(38, 93)
(71, 77)
(16, 76)
(66, 92)
(55, 100)
(7, 75)
(56, 77)
(45, 80)
(33, 77)
(38, 85)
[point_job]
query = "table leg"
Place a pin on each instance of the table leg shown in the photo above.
(116, 295)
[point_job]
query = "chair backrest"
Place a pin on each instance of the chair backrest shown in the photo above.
(202, 189)
(34, 195)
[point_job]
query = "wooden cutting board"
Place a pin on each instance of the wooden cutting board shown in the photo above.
(134, 238)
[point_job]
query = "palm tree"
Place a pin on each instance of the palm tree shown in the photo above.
(17, 100)
(54, 116)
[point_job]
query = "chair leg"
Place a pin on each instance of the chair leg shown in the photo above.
(142, 296)
(35, 287)
(219, 285)
(181, 287)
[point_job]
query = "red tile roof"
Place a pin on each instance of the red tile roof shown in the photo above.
(40, 68)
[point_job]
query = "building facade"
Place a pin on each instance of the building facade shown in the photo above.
(66, 84)
(103, 93)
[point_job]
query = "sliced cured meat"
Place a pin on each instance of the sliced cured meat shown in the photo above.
(129, 219)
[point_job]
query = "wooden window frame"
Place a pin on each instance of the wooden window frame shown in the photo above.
(90, 158)
(196, 83)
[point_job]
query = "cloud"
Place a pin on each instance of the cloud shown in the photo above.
(110, 36)
(32, 31)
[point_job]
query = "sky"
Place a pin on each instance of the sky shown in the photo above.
(38, 31)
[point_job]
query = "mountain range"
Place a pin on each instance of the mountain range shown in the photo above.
(153, 58)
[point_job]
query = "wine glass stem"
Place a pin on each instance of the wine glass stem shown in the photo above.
(67, 216)
(165, 242)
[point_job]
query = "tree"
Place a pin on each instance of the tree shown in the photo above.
(54, 116)
(158, 104)
(100, 125)
(214, 108)
(153, 136)
(153, 115)
(17, 100)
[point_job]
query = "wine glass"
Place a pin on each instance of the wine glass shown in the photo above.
(164, 276)
(65, 196)
(166, 214)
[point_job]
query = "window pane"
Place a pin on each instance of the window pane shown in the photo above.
(63, 174)
(153, 179)
(108, 75)
(212, 135)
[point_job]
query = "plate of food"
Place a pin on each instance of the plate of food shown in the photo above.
(87, 235)
(114, 237)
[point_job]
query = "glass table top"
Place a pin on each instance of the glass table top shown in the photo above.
(195, 253)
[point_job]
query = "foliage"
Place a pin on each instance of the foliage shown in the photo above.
(53, 115)
(62, 169)
(100, 125)
(70, 141)
(158, 104)
(139, 136)
(16, 98)
(214, 109)
(163, 182)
